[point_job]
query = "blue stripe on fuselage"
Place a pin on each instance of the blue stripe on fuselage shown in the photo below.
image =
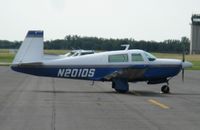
(154, 72)
(67, 72)
(97, 73)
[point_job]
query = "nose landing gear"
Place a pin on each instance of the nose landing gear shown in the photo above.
(165, 89)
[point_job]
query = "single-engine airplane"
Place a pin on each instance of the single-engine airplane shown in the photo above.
(118, 67)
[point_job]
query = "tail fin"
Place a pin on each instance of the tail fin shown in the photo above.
(31, 50)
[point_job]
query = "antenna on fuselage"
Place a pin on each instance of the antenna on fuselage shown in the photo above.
(126, 45)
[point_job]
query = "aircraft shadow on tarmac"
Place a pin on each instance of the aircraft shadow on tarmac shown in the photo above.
(131, 93)
(185, 94)
(143, 93)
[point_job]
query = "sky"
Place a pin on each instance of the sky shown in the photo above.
(156, 20)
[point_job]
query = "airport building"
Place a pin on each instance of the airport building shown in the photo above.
(195, 34)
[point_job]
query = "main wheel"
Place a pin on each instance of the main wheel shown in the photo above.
(121, 91)
(165, 89)
(118, 89)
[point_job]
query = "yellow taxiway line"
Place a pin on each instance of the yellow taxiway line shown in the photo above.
(158, 104)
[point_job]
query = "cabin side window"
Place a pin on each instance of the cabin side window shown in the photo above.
(136, 57)
(118, 58)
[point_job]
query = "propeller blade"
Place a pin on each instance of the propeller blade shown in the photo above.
(183, 58)
(183, 75)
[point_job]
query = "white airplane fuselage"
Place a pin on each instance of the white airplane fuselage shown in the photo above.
(120, 67)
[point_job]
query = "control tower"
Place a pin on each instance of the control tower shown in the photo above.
(195, 34)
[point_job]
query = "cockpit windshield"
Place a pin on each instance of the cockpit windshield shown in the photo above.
(149, 56)
(70, 53)
(79, 53)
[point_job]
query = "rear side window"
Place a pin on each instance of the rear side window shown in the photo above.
(136, 57)
(118, 58)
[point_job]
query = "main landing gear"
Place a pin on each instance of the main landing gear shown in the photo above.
(120, 85)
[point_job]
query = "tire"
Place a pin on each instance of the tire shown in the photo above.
(121, 91)
(165, 89)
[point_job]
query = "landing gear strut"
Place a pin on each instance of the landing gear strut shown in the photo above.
(120, 85)
(165, 89)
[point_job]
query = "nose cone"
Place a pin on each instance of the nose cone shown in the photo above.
(186, 64)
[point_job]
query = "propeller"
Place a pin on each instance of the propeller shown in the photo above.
(183, 60)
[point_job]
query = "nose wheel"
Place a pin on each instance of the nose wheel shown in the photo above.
(165, 89)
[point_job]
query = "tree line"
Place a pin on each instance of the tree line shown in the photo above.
(94, 43)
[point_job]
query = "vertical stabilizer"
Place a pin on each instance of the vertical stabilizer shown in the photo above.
(31, 50)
